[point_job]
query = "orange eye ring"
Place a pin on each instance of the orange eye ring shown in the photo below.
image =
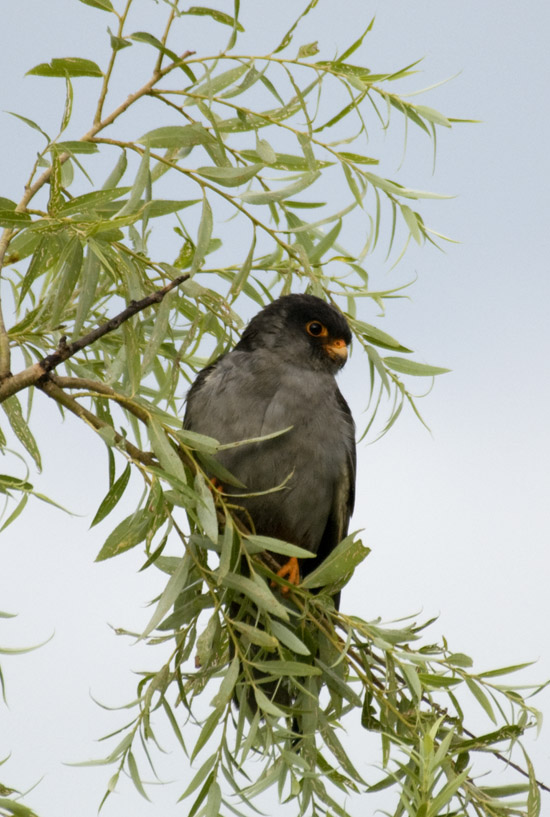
(316, 329)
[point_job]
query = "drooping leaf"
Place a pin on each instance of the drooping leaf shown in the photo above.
(67, 66)
(406, 366)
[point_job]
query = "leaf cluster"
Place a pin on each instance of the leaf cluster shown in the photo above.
(257, 139)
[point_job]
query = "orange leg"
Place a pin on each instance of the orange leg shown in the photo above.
(290, 571)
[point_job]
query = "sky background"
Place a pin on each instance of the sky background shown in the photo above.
(457, 519)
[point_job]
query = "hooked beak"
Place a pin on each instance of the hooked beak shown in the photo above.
(337, 350)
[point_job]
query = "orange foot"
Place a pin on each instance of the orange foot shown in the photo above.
(290, 571)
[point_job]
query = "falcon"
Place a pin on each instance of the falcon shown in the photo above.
(281, 375)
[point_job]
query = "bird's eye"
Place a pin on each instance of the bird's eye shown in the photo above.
(316, 329)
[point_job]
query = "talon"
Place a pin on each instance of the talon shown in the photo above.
(290, 571)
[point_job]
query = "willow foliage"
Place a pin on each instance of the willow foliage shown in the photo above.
(273, 148)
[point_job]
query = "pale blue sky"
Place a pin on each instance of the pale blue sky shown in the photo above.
(458, 521)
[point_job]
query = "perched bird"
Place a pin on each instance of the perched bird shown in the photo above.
(281, 374)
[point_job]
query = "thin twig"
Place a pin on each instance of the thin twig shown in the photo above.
(30, 376)
(109, 71)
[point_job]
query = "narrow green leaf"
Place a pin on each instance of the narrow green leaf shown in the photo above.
(68, 66)
(9, 218)
(208, 727)
(15, 513)
(164, 451)
(265, 197)
(104, 5)
(70, 266)
(405, 366)
(446, 793)
(260, 543)
(227, 685)
(266, 705)
(74, 146)
(31, 124)
(230, 176)
(68, 105)
(177, 136)
(199, 442)
(480, 697)
(227, 550)
(413, 681)
(203, 237)
(134, 774)
(90, 278)
(117, 172)
(256, 636)
(201, 775)
(206, 509)
(175, 585)
(129, 533)
(284, 668)
(112, 496)
(12, 408)
(213, 85)
(218, 16)
(142, 179)
(288, 638)
(258, 592)
(343, 560)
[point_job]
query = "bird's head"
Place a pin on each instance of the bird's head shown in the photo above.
(302, 329)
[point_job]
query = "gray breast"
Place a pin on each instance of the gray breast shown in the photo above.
(249, 395)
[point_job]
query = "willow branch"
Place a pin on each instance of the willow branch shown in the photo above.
(30, 376)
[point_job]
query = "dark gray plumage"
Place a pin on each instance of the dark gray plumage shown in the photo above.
(280, 374)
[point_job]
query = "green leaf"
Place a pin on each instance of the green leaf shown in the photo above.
(206, 509)
(68, 66)
(258, 592)
(218, 16)
(176, 584)
(104, 5)
(213, 85)
(266, 197)
(177, 136)
(141, 181)
(201, 775)
(405, 366)
(284, 668)
(145, 37)
(230, 176)
(70, 266)
(31, 124)
(257, 636)
(207, 729)
(112, 496)
(198, 442)
(203, 237)
(342, 561)
(9, 218)
(129, 533)
(227, 685)
(164, 451)
(12, 408)
(289, 639)
(266, 705)
(134, 774)
(308, 50)
(69, 96)
(74, 147)
(481, 697)
(276, 546)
